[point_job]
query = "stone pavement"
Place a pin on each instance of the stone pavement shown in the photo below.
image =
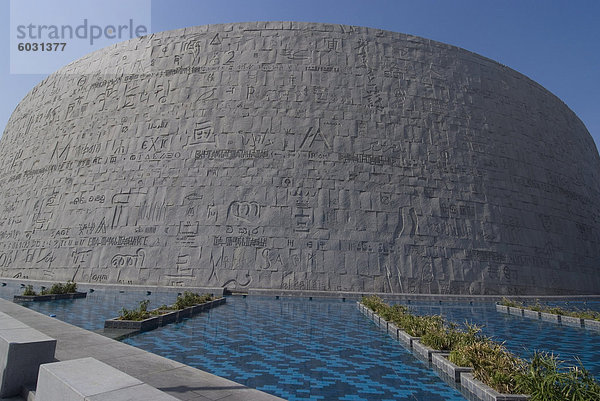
(174, 378)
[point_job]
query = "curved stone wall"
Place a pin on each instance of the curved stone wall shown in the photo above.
(299, 156)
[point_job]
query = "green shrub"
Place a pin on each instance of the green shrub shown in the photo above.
(447, 338)
(58, 288)
(511, 303)
(28, 291)
(183, 301)
(536, 307)
(585, 314)
(491, 363)
(188, 299)
(418, 326)
(374, 303)
(546, 380)
(141, 313)
(70, 287)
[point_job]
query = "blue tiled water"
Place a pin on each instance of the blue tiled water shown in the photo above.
(91, 312)
(299, 350)
(302, 349)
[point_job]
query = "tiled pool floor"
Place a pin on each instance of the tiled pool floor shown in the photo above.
(299, 350)
(317, 349)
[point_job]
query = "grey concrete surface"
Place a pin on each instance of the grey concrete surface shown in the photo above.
(303, 157)
(176, 379)
(87, 379)
(22, 351)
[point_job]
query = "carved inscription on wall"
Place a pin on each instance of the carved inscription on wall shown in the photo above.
(301, 157)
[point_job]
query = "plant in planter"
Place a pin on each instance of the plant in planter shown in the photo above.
(556, 310)
(511, 303)
(188, 299)
(28, 291)
(447, 338)
(183, 301)
(491, 362)
(414, 325)
(542, 378)
(546, 380)
(59, 288)
(140, 313)
(56, 292)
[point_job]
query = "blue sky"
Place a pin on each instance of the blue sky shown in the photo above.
(556, 43)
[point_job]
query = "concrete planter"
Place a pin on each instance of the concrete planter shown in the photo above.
(158, 321)
(392, 330)
(440, 360)
(591, 324)
(49, 297)
(532, 314)
(407, 338)
(398, 334)
(502, 308)
(571, 321)
(550, 317)
(554, 318)
(515, 311)
(486, 393)
(423, 350)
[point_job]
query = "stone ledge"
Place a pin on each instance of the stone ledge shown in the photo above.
(591, 324)
(88, 379)
(161, 320)
(48, 297)
(486, 393)
(441, 361)
(550, 317)
(515, 311)
(401, 335)
(424, 351)
(502, 309)
(531, 314)
(571, 321)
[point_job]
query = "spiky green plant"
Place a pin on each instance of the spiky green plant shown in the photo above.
(140, 313)
(545, 379)
(28, 291)
(188, 299)
(510, 303)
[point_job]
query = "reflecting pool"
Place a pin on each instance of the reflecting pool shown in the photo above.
(319, 349)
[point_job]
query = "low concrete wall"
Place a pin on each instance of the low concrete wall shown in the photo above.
(22, 351)
(571, 321)
(452, 370)
(89, 379)
(424, 351)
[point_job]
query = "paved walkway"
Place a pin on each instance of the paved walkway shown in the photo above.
(179, 380)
